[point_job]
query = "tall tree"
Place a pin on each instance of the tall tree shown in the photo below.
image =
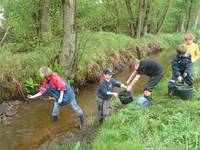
(140, 18)
(146, 26)
(68, 54)
(45, 18)
(189, 15)
(131, 18)
(161, 20)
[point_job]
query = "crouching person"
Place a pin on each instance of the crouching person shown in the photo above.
(104, 93)
(150, 68)
(60, 90)
(181, 69)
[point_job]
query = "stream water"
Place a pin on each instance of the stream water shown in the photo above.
(33, 126)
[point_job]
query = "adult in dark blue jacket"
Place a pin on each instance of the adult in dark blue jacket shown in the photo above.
(105, 92)
(181, 69)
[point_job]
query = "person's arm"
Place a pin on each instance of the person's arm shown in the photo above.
(61, 97)
(130, 86)
(42, 90)
(197, 54)
(131, 77)
(34, 96)
(124, 86)
(112, 93)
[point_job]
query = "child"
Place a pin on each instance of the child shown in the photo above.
(104, 93)
(192, 47)
(146, 67)
(181, 69)
(60, 90)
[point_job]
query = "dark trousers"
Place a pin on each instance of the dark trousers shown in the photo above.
(103, 108)
(153, 81)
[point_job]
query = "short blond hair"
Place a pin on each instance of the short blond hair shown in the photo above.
(189, 36)
(181, 49)
(45, 72)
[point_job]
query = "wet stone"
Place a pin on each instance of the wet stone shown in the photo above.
(10, 113)
(3, 108)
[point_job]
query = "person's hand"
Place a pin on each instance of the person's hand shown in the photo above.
(129, 88)
(59, 100)
(30, 96)
(185, 74)
(115, 95)
(147, 93)
(179, 79)
(126, 87)
(126, 83)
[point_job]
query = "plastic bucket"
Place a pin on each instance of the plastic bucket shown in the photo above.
(185, 92)
(142, 101)
(125, 97)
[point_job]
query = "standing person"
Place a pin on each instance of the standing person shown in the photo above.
(60, 90)
(105, 92)
(192, 48)
(146, 67)
(181, 69)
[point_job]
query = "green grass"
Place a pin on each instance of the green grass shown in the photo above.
(170, 124)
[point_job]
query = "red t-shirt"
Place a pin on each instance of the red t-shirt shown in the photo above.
(55, 81)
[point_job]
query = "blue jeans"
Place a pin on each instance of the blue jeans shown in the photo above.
(73, 104)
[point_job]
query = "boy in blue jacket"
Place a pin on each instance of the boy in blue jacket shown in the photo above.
(105, 92)
(181, 69)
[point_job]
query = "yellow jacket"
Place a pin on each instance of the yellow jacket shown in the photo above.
(193, 49)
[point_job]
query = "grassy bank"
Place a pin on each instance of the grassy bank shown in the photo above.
(170, 124)
(20, 63)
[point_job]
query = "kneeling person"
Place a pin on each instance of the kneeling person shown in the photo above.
(181, 69)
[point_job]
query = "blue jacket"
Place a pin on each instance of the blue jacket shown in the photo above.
(180, 64)
(105, 86)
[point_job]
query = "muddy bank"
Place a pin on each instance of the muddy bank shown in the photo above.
(117, 61)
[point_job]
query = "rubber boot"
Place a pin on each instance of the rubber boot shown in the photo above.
(148, 103)
(54, 118)
(81, 121)
(171, 92)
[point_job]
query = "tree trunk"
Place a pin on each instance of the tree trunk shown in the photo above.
(117, 16)
(147, 18)
(189, 16)
(68, 54)
(45, 20)
(183, 25)
(139, 19)
(131, 19)
(161, 20)
(196, 20)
